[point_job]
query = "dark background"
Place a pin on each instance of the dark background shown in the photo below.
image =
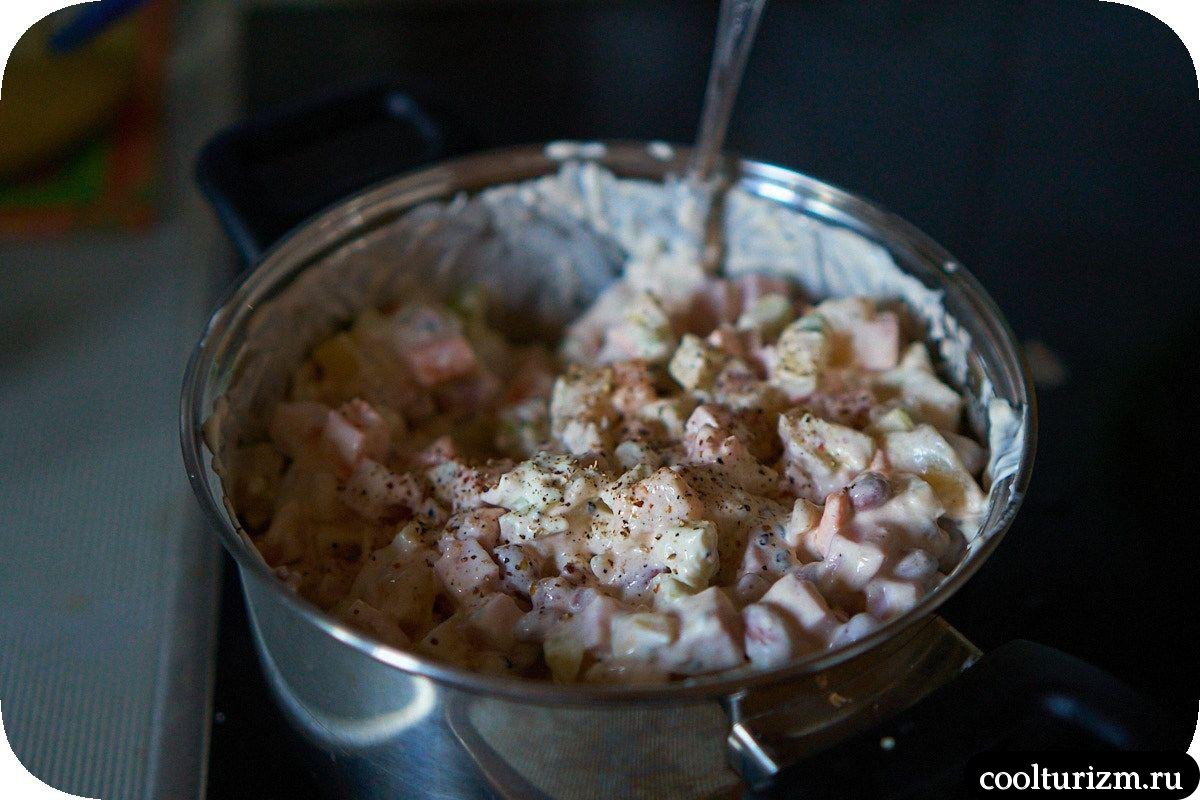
(1052, 146)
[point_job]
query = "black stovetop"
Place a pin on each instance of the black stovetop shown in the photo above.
(1053, 147)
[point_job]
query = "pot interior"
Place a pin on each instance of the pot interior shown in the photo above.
(548, 246)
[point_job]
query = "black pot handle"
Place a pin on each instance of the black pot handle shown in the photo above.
(1022, 696)
(268, 174)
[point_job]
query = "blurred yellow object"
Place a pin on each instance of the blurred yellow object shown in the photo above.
(52, 102)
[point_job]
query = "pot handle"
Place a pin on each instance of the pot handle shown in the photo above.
(266, 175)
(1021, 696)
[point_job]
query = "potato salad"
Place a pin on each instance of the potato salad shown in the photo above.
(728, 480)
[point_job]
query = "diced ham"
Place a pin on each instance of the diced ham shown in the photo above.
(470, 393)
(353, 432)
(441, 360)
(344, 442)
(438, 452)
(866, 337)
(718, 301)
(846, 406)
(836, 541)
(876, 342)
(835, 521)
(859, 561)
(915, 565)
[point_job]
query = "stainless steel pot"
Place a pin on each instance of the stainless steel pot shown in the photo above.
(398, 724)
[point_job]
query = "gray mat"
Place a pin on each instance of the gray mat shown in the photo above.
(108, 580)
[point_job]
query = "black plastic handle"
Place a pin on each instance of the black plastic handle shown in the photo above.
(268, 174)
(1022, 696)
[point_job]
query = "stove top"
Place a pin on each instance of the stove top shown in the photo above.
(1052, 147)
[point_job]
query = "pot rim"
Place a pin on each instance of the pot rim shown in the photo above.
(342, 220)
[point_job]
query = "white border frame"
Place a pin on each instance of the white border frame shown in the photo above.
(17, 16)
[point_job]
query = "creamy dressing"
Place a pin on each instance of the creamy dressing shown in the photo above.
(707, 474)
(721, 478)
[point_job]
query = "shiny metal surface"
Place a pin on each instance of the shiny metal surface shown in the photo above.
(779, 725)
(736, 26)
(398, 724)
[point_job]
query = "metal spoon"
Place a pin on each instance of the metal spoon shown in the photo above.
(736, 26)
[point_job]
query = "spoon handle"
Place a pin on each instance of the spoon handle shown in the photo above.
(736, 27)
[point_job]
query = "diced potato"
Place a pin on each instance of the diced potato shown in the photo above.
(670, 413)
(519, 565)
(581, 412)
(643, 332)
(629, 454)
(695, 365)
(375, 623)
(916, 385)
(338, 360)
(925, 452)
(461, 486)
(399, 581)
(259, 468)
(669, 590)
(863, 336)
(710, 634)
(467, 570)
(820, 456)
(801, 354)
(547, 483)
(806, 515)
(769, 315)
(517, 527)
(640, 636)
(895, 419)
(652, 502)
(564, 655)
(689, 552)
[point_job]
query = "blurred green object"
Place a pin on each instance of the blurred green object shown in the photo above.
(52, 102)
(79, 179)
